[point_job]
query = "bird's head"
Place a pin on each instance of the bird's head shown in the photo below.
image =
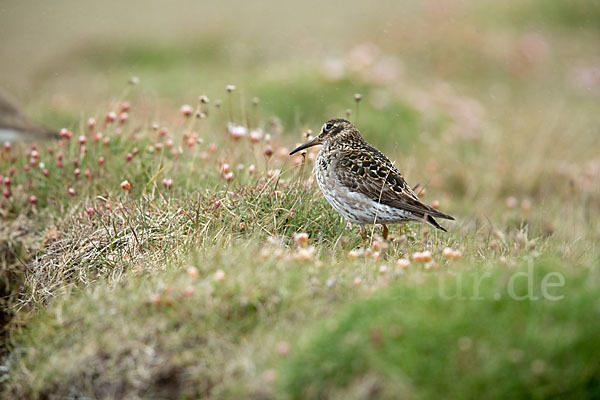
(334, 131)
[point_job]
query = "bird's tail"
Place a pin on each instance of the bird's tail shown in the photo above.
(430, 220)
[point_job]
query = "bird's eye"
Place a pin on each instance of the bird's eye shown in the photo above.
(327, 127)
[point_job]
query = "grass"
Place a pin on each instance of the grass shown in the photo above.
(393, 340)
(196, 281)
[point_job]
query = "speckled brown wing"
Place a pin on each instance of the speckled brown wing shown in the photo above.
(366, 170)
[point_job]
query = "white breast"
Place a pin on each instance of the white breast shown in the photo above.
(354, 206)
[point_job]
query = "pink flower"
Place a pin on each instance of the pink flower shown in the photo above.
(236, 131)
(32, 199)
(71, 191)
(65, 133)
(125, 106)
(168, 183)
(186, 110)
(125, 185)
(91, 123)
(110, 117)
(101, 161)
(255, 135)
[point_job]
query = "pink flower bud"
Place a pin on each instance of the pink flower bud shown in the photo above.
(91, 123)
(60, 163)
(77, 172)
(129, 157)
(123, 117)
(46, 172)
(125, 106)
(7, 146)
(32, 199)
(88, 174)
(6, 193)
(7, 181)
(90, 211)
(163, 131)
(71, 191)
(35, 154)
(26, 166)
(217, 203)
(101, 161)
(81, 140)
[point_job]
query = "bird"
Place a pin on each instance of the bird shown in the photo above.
(362, 184)
(16, 126)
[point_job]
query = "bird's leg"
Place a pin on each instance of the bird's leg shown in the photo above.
(386, 232)
(363, 234)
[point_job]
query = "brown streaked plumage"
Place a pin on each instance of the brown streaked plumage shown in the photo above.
(361, 183)
(16, 126)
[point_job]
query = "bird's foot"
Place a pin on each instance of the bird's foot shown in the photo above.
(386, 232)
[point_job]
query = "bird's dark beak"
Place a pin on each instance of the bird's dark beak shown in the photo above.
(306, 145)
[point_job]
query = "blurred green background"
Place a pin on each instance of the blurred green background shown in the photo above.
(304, 59)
